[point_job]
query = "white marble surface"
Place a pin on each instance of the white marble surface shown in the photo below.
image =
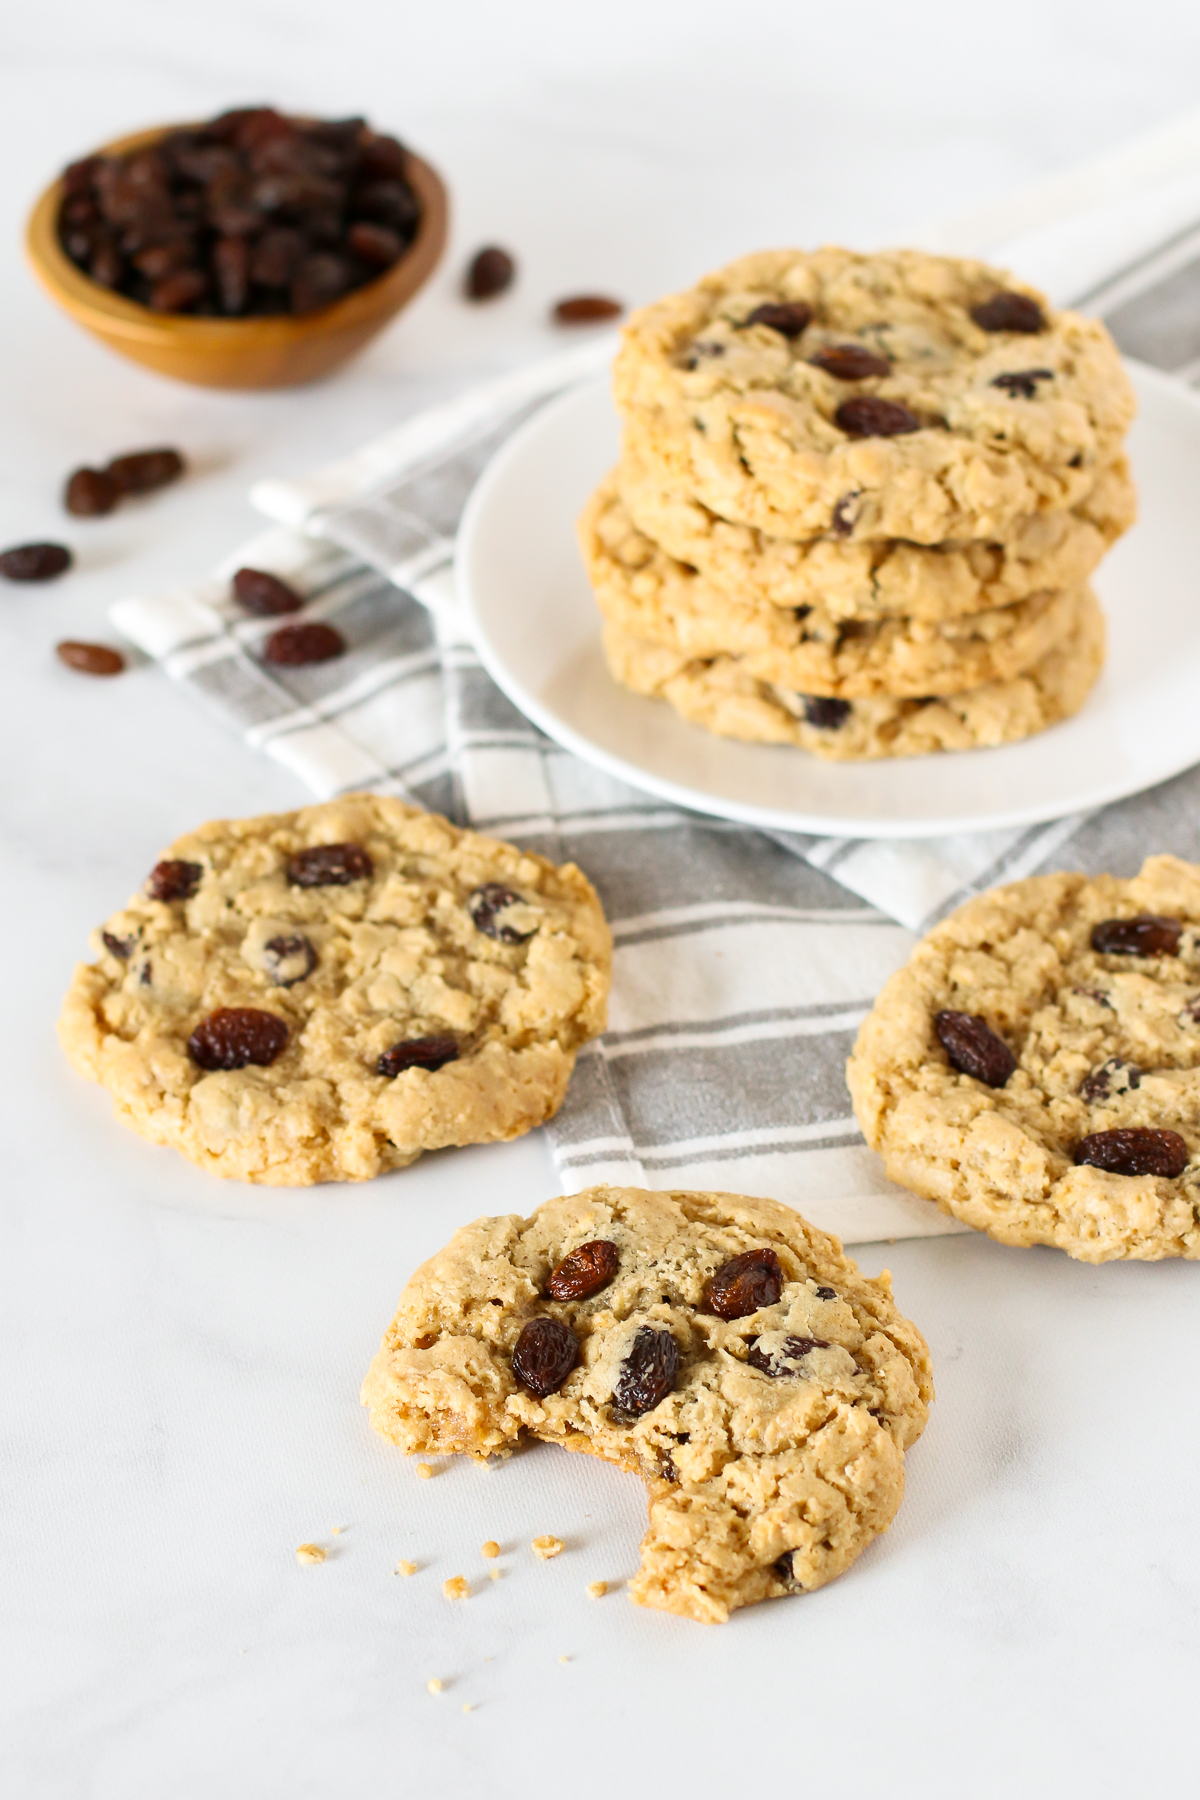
(179, 1361)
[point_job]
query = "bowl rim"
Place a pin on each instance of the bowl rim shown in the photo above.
(117, 317)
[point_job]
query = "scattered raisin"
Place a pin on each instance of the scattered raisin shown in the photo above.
(791, 318)
(142, 471)
(1022, 383)
(34, 562)
(1135, 1150)
(264, 594)
(544, 1355)
(584, 1271)
(824, 713)
(289, 959)
(791, 1350)
(973, 1047)
(329, 865)
(418, 1053)
(1116, 1076)
(233, 1036)
(585, 309)
(295, 646)
(121, 948)
(647, 1373)
(1009, 312)
(89, 659)
(869, 415)
(1147, 934)
(174, 879)
(90, 492)
(491, 271)
(744, 1284)
(485, 907)
(850, 362)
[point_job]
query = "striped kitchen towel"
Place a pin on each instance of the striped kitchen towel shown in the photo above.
(744, 961)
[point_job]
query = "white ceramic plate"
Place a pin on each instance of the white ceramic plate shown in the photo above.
(537, 631)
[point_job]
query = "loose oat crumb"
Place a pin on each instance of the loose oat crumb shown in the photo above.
(490, 1549)
(435, 1686)
(546, 1546)
(405, 1568)
(457, 1588)
(335, 1531)
(495, 1574)
(425, 1471)
(466, 1706)
(597, 1589)
(564, 1659)
(310, 1553)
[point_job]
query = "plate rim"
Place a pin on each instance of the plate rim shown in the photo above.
(763, 818)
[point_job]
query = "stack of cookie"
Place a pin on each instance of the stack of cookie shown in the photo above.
(858, 504)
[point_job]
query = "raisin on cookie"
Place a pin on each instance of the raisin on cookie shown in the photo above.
(718, 1346)
(1035, 1068)
(323, 995)
(899, 395)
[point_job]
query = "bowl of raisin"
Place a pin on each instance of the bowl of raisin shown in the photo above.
(256, 250)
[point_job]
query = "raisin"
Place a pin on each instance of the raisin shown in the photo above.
(1006, 311)
(826, 1293)
(89, 659)
(791, 318)
(868, 415)
(1022, 383)
(744, 1284)
(264, 594)
(418, 1053)
(850, 362)
(178, 292)
(585, 309)
(485, 906)
(791, 1350)
(647, 1373)
(121, 948)
(785, 1568)
(289, 959)
(90, 492)
(973, 1047)
(1116, 1076)
(174, 879)
(142, 471)
(329, 865)
(34, 562)
(825, 714)
(276, 257)
(843, 519)
(376, 244)
(584, 1272)
(321, 279)
(387, 203)
(295, 646)
(233, 1036)
(1147, 934)
(231, 267)
(544, 1355)
(491, 271)
(1135, 1150)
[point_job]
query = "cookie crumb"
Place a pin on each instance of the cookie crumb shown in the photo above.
(564, 1659)
(310, 1553)
(435, 1686)
(404, 1568)
(457, 1588)
(597, 1589)
(495, 1574)
(425, 1471)
(547, 1546)
(467, 1706)
(335, 1531)
(490, 1549)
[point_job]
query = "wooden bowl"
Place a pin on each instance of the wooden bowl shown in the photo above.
(275, 352)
